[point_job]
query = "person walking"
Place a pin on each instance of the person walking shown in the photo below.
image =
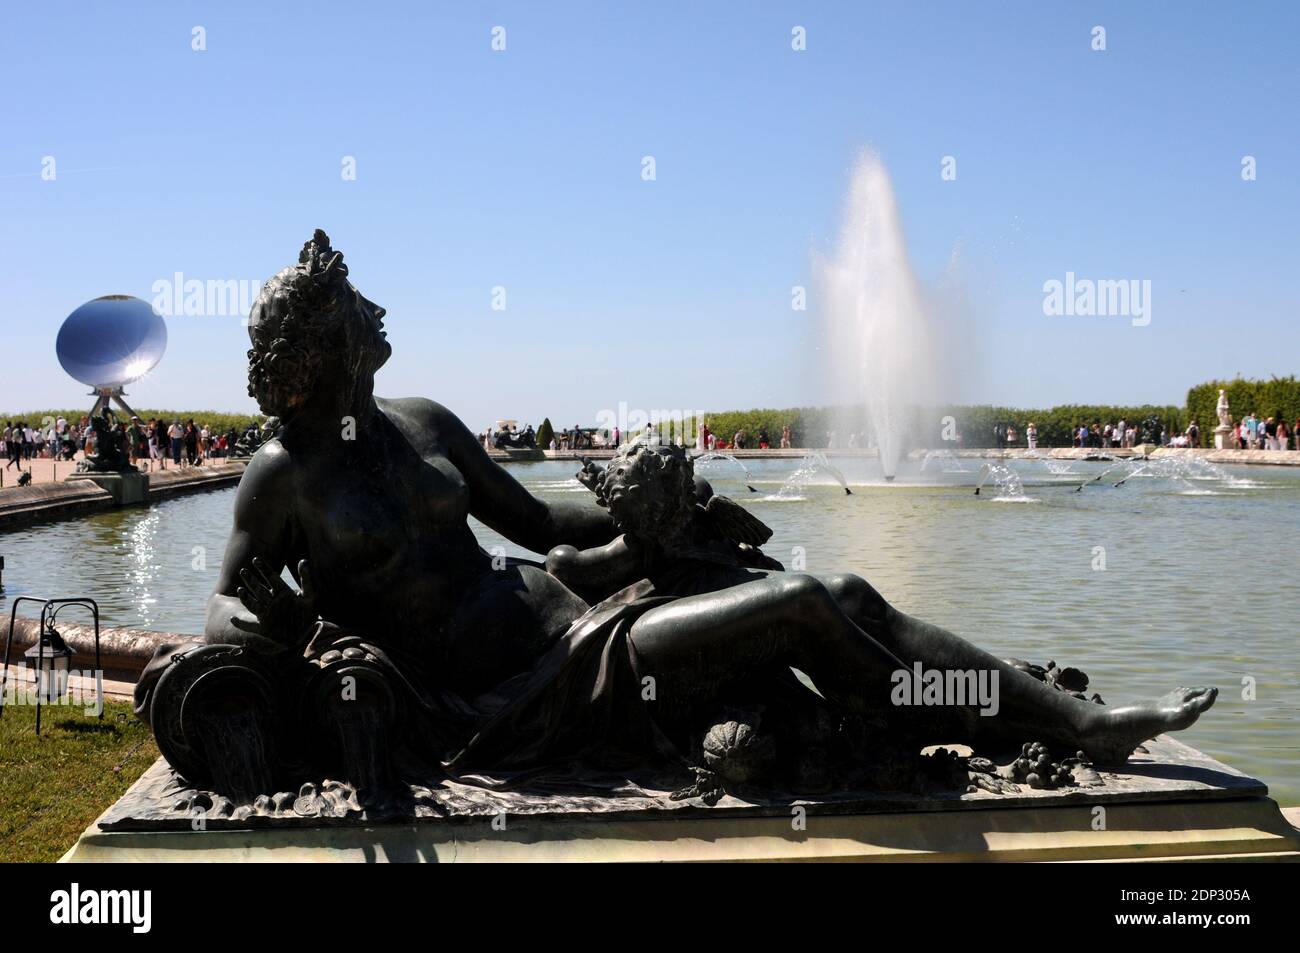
(192, 444)
(176, 437)
(14, 446)
(151, 435)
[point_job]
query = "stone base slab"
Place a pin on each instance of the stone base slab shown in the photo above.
(1172, 803)
(1248, 829)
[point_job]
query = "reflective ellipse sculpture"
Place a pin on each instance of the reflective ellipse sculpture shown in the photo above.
(111, 341)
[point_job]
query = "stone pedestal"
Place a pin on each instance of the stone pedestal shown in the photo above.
(1224, 438)
(1173, 803)
(126, 488)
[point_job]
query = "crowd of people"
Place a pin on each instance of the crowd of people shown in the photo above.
(1250, 433)
(1120, 435)
(187, 444)
(1255, 433)
(707, 440)
(580, 438)
(575, 439)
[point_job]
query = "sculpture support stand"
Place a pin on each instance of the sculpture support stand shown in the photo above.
(126, 488)
(103, 395)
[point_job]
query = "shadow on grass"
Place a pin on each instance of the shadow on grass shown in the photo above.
(88, 726)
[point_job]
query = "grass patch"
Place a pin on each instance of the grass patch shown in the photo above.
(54, 785)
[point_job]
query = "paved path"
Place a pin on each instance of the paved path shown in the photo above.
(53, 471)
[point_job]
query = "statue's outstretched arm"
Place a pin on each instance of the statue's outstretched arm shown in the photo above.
(502, 503)
(604, 569)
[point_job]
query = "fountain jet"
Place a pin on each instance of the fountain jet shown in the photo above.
(880, 344)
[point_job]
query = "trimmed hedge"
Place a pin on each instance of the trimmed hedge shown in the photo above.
(810, 425)
(217, 421)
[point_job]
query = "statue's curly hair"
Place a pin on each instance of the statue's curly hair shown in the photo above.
(649, 490)
(293, 323)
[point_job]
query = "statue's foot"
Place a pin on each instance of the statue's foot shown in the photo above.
(1118, 731)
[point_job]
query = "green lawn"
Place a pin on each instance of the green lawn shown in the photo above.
(54, 785)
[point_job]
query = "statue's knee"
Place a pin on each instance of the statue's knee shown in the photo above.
(856, 595)
(805, 595)
(214, 717)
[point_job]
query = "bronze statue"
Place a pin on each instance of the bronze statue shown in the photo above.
(111, 451)
(655, 614)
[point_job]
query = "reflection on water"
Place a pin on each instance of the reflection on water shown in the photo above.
(1197, 586)
(150, 567)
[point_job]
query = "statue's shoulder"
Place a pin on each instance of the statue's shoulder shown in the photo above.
(424, 414)
(269, 474)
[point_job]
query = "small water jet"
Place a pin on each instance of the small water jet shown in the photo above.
(1007, 480)
(809, 467)
(946, 455)
(1180, 469)
(705, 459)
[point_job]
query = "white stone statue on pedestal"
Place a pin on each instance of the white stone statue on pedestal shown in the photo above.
(1223, 433)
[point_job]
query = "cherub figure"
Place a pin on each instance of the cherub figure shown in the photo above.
(672, 531)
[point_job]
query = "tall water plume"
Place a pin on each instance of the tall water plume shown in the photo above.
(879, 340)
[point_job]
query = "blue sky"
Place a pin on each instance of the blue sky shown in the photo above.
(522, 169)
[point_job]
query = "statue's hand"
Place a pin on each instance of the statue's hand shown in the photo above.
(282, 614)
(590, 475)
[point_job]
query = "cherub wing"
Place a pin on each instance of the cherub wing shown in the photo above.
(735, 522)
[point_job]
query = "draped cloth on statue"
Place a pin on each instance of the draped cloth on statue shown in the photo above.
(580, 707)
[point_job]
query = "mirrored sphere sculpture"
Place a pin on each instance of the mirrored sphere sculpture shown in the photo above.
(111, 341)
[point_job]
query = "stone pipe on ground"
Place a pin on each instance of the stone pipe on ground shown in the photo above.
(123, 652)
